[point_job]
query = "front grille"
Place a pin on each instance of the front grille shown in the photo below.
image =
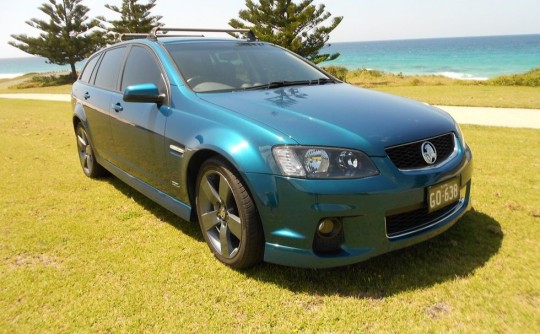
(415, 220)
(409, 156)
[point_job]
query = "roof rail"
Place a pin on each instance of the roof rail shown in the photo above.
(153, 35)
(130, 36)
(126, 37)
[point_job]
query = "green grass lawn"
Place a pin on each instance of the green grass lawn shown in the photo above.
(471, 96)
(79, 255)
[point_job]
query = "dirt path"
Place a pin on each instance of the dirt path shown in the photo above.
(45, 97)
(509, 117)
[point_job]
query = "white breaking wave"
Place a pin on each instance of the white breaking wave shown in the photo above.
(461, 76)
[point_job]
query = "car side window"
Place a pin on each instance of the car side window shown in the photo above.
(89, 68)
(109, 69)
(141, 67)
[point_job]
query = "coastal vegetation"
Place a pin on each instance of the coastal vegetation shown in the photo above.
(375, 78)
(40, 80)
(78, 255)
(35, 83)
(531, 79)
(134, 18)
(67, 36)
(295, 26)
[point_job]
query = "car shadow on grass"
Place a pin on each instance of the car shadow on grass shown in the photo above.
(188, 228)
(457, 253)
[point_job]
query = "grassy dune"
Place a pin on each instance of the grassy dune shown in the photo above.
(35, 83)
(80, 255)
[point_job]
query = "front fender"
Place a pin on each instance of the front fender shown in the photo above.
(246, 154)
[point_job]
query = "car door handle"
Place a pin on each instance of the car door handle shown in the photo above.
(86, 96)
(118, 107)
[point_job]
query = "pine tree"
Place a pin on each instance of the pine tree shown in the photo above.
(66, 38)
(296, 27)
(134, 17)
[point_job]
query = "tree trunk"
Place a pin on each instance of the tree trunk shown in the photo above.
(73, 74)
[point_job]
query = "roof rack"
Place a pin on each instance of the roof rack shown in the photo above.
(130, 36)
(154, 33)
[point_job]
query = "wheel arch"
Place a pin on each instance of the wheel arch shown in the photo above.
(246, 153)
(192, 171)
(79, 116)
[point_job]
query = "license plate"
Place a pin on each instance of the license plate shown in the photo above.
(442, 194)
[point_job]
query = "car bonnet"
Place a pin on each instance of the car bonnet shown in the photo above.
(338, 115)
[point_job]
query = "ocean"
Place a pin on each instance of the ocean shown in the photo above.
(14, 67)
(462, 58)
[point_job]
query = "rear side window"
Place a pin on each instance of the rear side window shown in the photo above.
(109, 70)
(141, 67)
(88, 69)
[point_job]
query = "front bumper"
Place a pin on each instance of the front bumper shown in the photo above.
(291, 209)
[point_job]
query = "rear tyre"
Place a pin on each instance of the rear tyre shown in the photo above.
(227, 215)
(90, 166)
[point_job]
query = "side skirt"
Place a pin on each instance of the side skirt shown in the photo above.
(175, 206)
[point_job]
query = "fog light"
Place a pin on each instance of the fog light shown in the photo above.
(329, 227)
(329, 236)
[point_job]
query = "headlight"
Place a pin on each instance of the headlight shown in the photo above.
(323, 162)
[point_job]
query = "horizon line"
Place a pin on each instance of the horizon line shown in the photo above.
(427, 38)
(355, 41)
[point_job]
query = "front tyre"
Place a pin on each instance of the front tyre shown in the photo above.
(90, 166)
(227, 215)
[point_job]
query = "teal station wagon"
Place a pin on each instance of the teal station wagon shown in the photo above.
(277, 160)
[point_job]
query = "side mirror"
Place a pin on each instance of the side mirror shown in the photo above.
(146, 92)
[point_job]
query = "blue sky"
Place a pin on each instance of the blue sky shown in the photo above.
(364, 20)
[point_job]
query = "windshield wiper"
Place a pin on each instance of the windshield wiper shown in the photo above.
(279, 84)
(322, 81)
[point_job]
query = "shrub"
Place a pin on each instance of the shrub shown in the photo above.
(531, 79)
(45, 81)
(339, 72)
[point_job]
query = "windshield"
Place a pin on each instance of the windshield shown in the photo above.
(228, 66)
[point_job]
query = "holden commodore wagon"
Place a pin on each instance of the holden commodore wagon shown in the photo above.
(276, 159)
